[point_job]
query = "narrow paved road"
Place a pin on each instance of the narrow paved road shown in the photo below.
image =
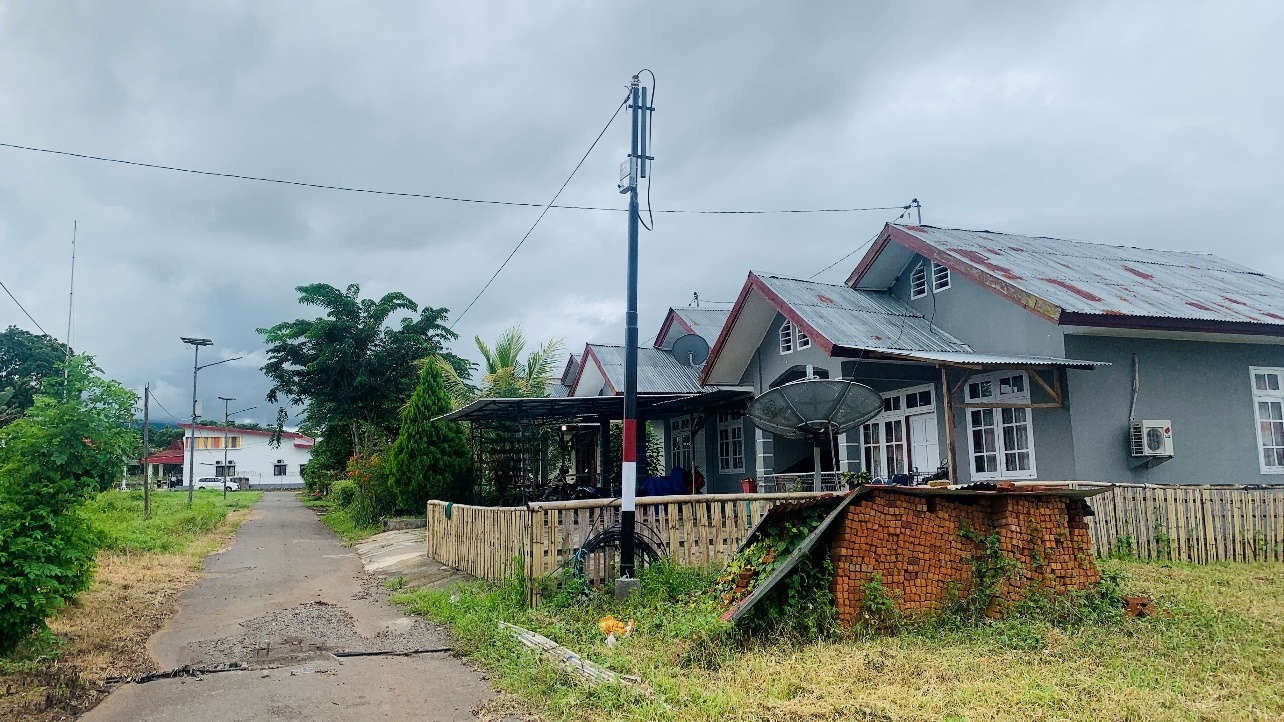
(279, 602)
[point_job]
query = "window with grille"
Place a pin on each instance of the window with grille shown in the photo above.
(918, 281)
(731, 444)
(940, 277)
(1268, 410)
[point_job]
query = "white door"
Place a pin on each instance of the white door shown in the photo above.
(925, 452)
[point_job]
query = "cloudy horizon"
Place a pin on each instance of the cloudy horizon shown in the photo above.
(1152, 125)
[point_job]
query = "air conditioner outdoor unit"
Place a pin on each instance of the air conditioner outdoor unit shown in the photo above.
(1151, 438)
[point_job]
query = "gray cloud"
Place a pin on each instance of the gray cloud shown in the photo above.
(1151, 124)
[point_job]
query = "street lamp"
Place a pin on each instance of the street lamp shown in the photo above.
(196, 344)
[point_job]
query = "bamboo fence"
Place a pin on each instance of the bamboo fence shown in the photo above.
(541, 537)
(1198, 524)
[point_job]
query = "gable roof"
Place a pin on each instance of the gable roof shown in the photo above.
(1080, 283)
(658, 372)
(703, 322)
(836, 318)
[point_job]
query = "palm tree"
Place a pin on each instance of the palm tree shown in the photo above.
(506, 374)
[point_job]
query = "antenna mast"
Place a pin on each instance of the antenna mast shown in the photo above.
(71, 292)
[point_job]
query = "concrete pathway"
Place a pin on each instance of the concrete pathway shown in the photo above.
(279, 602)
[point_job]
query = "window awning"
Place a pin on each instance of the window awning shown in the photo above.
(970, 359)
(560, 409)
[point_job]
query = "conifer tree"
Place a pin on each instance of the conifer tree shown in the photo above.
(430, 459)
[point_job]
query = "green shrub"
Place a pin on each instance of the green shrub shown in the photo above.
(343, 492)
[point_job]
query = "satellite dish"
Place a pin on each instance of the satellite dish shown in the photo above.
(690, 349)
(815, 409)
(812, 407)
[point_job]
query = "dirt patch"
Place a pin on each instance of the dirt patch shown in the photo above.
(105, 630)
(311, 631)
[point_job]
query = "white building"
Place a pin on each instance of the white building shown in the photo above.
(249, 454)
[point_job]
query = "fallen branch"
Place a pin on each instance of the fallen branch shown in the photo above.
(566, 657)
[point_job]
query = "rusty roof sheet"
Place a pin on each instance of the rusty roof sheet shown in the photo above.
(705, 322)
(972, 358)
(1100, 279)
(861, 319)
(658, 371)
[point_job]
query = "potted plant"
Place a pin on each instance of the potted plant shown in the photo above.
(749, 485)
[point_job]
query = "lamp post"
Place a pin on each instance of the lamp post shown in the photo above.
(225, 400)
(196, 344)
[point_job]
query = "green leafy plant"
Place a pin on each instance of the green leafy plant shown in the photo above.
(71, 442)
(429, 459)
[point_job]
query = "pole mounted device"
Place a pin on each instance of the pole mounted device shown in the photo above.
(636, 168)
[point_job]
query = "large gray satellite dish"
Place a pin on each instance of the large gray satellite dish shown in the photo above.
(691, 349)
(815, 409)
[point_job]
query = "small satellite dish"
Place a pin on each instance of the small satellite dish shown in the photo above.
(691, 349)
(813, 407)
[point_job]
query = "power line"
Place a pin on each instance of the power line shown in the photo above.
(903, 209)
(24, 309)
(429, 196)
(156, 401)
(540, 217)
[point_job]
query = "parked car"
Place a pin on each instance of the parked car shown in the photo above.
(216, 483)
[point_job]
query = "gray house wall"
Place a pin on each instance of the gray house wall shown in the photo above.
(1202, 387)
(981, 318)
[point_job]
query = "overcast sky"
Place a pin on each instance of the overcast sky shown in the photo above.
(1155, 125)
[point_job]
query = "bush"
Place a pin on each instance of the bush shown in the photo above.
(343, 492)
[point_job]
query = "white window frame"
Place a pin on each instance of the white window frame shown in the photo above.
(731, 431)
(918, 281)
(801, 339)
(937, 285)
(681, 447)
(786, 337)
(896, 411)
(975, 392)
(1265, 396)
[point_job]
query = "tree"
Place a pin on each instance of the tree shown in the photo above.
(72, 442)
(25, 360)
(352, 368)
(505, 374)
(429, 459)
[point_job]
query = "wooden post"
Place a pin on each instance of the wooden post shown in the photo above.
(948, 410)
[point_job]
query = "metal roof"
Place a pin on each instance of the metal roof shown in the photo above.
(971, 358)
(658, 371)
(572, 408)
(1098, 279)
(860, 319)
(705, 322)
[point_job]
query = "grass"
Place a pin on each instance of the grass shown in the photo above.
(339, 519)
(1213, 653)
(142, 568)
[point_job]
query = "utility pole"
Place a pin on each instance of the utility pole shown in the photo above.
(196, 344)
(147, 468)
(225, 475)
(637, 168)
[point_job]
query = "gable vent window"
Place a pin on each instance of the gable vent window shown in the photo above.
(940, 277)
(804, 341)
(786, 337)
(918, 281)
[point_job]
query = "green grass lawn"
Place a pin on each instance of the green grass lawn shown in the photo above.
(1215, 651)
(117, 517)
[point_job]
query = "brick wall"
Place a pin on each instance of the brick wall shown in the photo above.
(918, 546)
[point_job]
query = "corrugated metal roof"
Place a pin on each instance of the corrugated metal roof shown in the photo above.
(861, 319)
(706, 322)
(658, 371)
(991, 359)
(1094, 278)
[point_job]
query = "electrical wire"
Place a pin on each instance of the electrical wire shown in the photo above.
(650, 136)
(542, 213)
(432, 196)
(903, 209)
(157, 401)
(24, 309)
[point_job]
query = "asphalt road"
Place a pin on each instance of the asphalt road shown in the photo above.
(279, 602)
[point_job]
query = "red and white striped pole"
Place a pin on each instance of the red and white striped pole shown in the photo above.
(629, 451)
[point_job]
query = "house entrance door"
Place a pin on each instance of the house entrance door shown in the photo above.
(925, 452)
